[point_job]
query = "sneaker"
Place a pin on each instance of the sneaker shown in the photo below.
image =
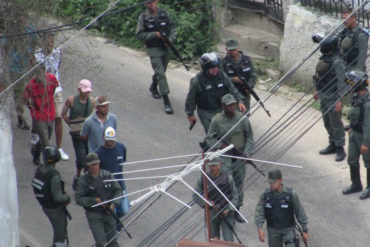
(35, 138)
(63, 155)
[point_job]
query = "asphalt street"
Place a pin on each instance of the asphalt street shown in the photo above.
(124, 75)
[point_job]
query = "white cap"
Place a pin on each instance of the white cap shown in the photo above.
(109, 134)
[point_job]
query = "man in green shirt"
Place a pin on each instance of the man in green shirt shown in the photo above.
(353, 43)
(206, 90)
(221, 213)
(279, 206)
(90, 190)
(241, 136)
(359, 132)
(49, 191)
(153, 24)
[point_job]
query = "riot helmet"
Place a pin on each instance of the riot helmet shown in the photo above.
(51, 155)
(357, 79)
(209, 60)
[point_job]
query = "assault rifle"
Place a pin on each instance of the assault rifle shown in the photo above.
(235, 150)
(253, 93)
(177, 54)
(118, 221)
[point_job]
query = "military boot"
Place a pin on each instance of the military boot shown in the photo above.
(154, 88)
(167, 105)
(22, 124)
(366, 193)
(356, 185)
(238, 218)
(36, 152)
(329, 149)
(341, 154)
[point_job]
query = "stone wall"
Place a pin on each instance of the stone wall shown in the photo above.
(300, 25)
(8, 185)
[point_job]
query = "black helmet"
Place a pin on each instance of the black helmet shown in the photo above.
(51, 155)
(357, 79)
(330, 44)
(209, 60)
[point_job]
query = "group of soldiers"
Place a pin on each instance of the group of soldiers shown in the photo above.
(220, 94)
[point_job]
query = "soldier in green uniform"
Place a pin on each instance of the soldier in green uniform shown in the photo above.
(237, 64)
(359, 132)
(49, 191)
(329, 82)
(206, 90)
(226, 184)
(90, 190)
(279, 206)
(353, 43)
(152, 25)
(241, 137)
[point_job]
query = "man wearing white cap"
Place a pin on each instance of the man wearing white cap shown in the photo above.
(94, 126)
(112, 154)
(80, 107)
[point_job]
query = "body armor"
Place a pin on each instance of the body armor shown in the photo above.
(41, 187)
(356, 113)
(98, 188)
(243, 68)
(279, 209)
(325, 78)
(222, 183)
(211, 91)
(159, 23)
(349, 45)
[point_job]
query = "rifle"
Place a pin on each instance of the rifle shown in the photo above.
(118, 221)
(299, 228)
(253, 93)
(222, 217)
(177, 54)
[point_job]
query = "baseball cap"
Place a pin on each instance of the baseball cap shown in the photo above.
(228, 99)
(109, 134)
(101, 100)
(274, 175)
(85, 86)
(92, 158)
(231, 44)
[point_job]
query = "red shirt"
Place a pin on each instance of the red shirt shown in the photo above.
(41, 102)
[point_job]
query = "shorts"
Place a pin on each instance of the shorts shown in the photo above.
(58, 102)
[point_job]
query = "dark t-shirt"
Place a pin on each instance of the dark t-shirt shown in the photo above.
(111, 159)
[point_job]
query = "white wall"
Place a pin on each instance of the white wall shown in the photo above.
(9, 234)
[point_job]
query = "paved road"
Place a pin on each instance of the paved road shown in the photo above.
(124, 75)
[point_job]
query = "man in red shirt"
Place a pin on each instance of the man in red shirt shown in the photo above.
(39, 97)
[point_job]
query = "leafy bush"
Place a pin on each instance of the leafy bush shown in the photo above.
(193, 18)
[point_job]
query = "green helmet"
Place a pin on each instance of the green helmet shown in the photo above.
(51, 155)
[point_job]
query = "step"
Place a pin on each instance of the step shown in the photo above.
(256, 41)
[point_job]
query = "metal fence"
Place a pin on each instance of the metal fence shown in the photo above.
(336, 7)
(271, 8)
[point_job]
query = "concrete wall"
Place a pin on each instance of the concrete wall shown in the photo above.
(297, 43)
(9, 235)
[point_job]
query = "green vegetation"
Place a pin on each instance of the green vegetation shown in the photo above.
(193, 18)
(262, 65)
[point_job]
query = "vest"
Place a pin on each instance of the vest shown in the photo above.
(98, 188)
(42, 189)
(214, 195)
(234, 69)
(78, 113)
(159, 23)
(349, 45)
(211, 91)
(279, 209)
(356, 114)
(325, 77)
